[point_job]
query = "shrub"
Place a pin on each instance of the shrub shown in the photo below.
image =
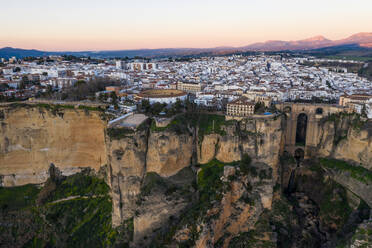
(357, 172)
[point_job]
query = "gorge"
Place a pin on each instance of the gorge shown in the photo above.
(200, 181)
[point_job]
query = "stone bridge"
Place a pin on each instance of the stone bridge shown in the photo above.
(302, 126)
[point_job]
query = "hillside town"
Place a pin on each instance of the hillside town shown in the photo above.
(215, 83)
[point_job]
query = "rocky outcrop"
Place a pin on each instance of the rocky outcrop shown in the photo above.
(33, 137)
(346, 137)
(168, 153)
(126, 169)
(161, 202)
(361, 189)
(208, 148)
(260, 138)
(328, 211)
(155, 190)
(239, 209)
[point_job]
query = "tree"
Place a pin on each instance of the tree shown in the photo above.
(114, 98)
(22, 85)
(145, 105)
(4, 87)
(80, 83)
(259, 108)
(156, 108)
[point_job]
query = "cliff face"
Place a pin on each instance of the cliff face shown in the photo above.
(126, 169)
(259, 138)
(31, 138)
(346, 138)
(143, 164)
(191, 181)
(244, 200)
(168, 153)
(135, 155)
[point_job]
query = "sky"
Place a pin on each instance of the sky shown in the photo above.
(76, 25)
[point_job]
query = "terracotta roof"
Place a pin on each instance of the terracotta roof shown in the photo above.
(242, 101)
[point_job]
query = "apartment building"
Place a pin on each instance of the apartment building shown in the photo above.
(190, 87)
(240, 107)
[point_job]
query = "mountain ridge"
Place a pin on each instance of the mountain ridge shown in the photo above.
(362, 39)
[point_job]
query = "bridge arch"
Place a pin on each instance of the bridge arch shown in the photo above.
(301, 129)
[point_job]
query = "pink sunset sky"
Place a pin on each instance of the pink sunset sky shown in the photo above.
(120, 24)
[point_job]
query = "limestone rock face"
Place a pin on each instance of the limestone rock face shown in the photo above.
(325, 139)
(126, 163)
(238, 210)
(31, 138)
(268, 141)
(161, 200)
(259, 138)
(357, 147)
(132, 157)
(229, 149)
(361, 189)
(354, 145)
(168, 153)
(208, 148)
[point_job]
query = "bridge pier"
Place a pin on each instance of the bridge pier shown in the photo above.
(314, 114)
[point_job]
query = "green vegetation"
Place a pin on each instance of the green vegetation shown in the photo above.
(175, 125)
(210, 189)
(351, 67)
(341, 122)
(206, 123)
(357, 172)
(119, 133)
(91, 108)
(334, 207)
(84, 221)
(79, 185)
(211, 124)
(180, 124)
(259, 108)
(364, 235)
(353, 119)
(16, 198)
(250, 239)
(209, 183)
(287, 158)
(350, 57)
(82, 91)
(152, 181)
(157, 108)
(54, 107)
(245, 166)
(127, 232)
(246, 133)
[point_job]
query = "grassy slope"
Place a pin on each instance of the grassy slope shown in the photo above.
(81, 222)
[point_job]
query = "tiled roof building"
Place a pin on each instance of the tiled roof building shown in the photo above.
(240, 107)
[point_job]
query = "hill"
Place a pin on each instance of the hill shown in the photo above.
(361, 42)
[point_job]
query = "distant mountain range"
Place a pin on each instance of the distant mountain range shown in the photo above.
(361, 42)
(361, 39)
